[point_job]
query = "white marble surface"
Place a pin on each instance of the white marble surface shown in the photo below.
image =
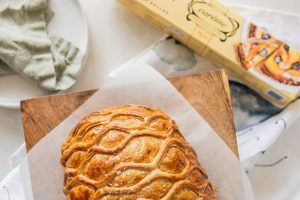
(107, 51)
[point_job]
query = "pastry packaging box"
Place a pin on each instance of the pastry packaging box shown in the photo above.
(265, 63)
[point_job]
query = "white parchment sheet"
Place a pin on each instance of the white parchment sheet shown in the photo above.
(140, 84)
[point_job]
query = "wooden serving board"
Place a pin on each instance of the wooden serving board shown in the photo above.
(208, 93)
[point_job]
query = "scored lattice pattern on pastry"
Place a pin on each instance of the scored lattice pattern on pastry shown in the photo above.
(131, 152)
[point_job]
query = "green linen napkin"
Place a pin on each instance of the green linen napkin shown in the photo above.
(25, 46)
(4, 69)
(67, 61)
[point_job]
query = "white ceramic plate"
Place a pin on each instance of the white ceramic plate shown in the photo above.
(68, 22)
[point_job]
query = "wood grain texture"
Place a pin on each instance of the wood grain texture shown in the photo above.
(41, 115)
(208, 93)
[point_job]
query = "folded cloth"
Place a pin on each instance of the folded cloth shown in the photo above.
(4, 69)
(67, 61)
(26, 47)
(276, 175)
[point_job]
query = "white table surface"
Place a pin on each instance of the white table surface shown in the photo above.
(106, 19)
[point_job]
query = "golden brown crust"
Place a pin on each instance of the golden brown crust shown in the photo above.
(283, 65)
(258, 34)
(241, 55)
(279, 77)
(252, 54)
(131, 152)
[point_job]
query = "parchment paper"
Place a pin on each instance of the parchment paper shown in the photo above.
(140, 84)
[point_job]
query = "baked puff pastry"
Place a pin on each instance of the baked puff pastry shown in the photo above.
(131, 152)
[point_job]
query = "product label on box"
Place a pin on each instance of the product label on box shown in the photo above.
(213, 19)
